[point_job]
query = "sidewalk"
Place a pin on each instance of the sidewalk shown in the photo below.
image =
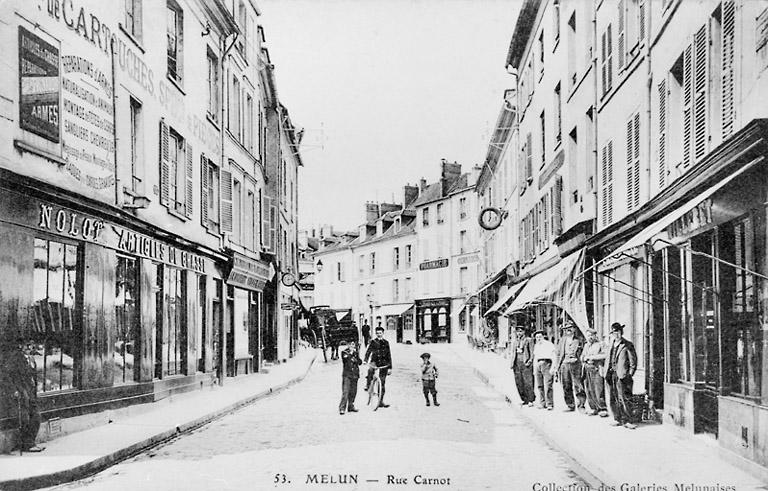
(651, 454)
(77, 455)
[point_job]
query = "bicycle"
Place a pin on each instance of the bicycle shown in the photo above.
(374, 388)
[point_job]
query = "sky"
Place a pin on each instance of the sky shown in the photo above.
(384, 90)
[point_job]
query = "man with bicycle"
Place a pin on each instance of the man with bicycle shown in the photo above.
(380, 358)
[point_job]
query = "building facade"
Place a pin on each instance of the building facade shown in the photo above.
(129, 179)
(639, 136)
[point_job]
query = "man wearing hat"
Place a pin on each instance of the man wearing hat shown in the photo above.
(350, 374)
(543, 354)
(568, 364)
(593, 362)
(521, 362)
(622, 363)
(428, 378)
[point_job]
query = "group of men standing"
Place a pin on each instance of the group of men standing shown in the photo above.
(583, 368)
(379, 357)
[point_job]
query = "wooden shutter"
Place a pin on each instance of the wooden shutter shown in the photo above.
(603, 56)
(606, 192)
(204, 190)
(621, 34)
(546, 219)
(609, 59)
(273, 226)
(701, 91)
(189, 172)
(662, 87)
(630, 167)
(636, 161)
(610, 181)
(727, 68)
(226, 201)
(165, 167)
(641, 20)
(557, 207)
(265, 223)
(687, 105)
(529, 157)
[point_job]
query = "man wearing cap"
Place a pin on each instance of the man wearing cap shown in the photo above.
(380, 358)
(568, 364)
(521, 362)
(350, 374)
(593, 361)
(622, 363)
(543, 354)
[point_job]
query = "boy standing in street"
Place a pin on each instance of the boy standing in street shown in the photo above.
(428, 378)
(350, 374)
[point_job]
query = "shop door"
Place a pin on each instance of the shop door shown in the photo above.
(656, 363)
(705, 331)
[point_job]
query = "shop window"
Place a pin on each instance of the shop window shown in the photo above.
(53, 341)
(171, 337)
(676, 329)
(742, 338)
(126, 349)
(701, 304)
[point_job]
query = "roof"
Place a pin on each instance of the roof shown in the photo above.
(461, 183)
(526, 18)
(431, 193)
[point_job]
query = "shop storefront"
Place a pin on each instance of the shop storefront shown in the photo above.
(433, 320)
(245, 285)
(114, 313)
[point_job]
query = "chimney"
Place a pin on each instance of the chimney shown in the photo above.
(422, 184)
(371, 211)
(387, 207)
(449, 174)
(410, 193)
(326, 231)
(474, 175)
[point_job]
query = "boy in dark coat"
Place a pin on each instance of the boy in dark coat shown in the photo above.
(350, 374)
(428, 378)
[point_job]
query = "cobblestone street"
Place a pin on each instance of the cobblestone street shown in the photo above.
(297, 440)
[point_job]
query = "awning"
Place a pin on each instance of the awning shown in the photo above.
(509, 295)
(392, 309)
(559, 285)
(655, 228)
(493, 279)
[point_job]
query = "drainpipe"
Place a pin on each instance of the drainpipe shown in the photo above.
(597, 312)
(224, 315)
(648, 306)
(114, 120)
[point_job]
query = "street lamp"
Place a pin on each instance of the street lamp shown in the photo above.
(319, 266)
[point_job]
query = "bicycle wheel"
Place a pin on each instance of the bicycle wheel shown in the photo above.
(375, 395)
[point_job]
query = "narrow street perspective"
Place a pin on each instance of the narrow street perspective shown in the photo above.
(532, 233)
(462, 444)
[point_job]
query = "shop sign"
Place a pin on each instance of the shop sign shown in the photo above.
(434, 302)
(436, 264)
(468, 259)
(307, 287)
(147, 247)
(38, 86)
(700, 216)
(248, 273)
(288, 306)
(66, 222)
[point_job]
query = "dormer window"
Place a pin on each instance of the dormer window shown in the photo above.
(398, 224)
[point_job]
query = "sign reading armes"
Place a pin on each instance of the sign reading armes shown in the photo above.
(38, 86)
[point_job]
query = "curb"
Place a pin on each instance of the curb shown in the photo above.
(99, 464)
(597, 478)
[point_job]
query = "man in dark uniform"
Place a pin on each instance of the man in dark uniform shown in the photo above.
(379, 355)
(349, 377)
(18, 390)
(521, 355)
(366, 329)
(622, 363)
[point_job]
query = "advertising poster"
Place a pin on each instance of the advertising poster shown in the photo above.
(38, 86)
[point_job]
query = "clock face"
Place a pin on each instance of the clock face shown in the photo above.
(490, 218)
(289, 279)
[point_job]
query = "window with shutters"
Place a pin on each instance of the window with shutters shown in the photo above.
(544, 212)
(249, 210)
(372, 262)
(209, 200)
(606, 184)
(606, 60)
(226, 201)
(133, 19)
(536, 229)
(175, 37)
(439, 213)
(572, 46)
(696, 97)
(237, 211)
(408, 256)
(462, 241)
(633, 161)
(425, 217)
(176, 172)
(541, 54)
(621, 34)
(395, 259)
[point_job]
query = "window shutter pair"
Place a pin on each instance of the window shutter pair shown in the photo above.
(633, 162)
(165, 172)
(695, 97)
(606, 57)
(545, 221)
